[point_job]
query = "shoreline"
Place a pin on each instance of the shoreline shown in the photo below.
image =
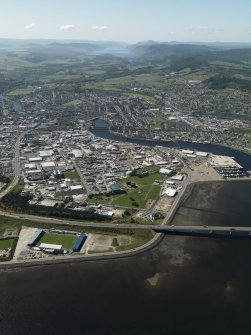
(77, 259)
(105, 256)
(166, 141)
(8, 265)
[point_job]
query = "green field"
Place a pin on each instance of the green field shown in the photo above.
(130, 242)
(146, 190)
(5, 244)
(142, 96)
(71, 175)
(11, 178)
(60, 77)
(100, 86)
(19, 187)
(156, 121)
(66, 241)
(20, 91)
(147, 180)
(73, 103)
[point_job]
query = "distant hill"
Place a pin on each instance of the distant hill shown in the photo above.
(223, 81)
(175, 56)
(236, 55)
(220, 65)
(38, 53)
(163, 50)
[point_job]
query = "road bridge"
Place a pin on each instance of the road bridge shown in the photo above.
(206, 231)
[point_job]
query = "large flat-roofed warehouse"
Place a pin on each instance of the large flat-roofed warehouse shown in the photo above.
(201, 154)
(46, 153)
(48, 165)
(170, 192)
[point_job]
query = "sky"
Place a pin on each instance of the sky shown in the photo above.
(127, 20)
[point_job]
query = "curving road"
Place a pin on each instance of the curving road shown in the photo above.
(55, 221)
(17, 168)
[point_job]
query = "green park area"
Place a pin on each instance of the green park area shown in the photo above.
(144, 97)
(67, 241)
(73, 103)
(18, 188)
(139, 238)
(6, 243)
(9, 223)
(155, 121)
(20, 91)
(119, 242)
(71, 175)
(146, 188)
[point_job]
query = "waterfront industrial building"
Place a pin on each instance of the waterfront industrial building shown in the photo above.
(170, 192)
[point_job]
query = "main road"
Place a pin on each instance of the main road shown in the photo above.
(84, 183)
(45, 219)
(16, 166)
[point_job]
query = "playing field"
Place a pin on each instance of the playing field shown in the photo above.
(67, 241)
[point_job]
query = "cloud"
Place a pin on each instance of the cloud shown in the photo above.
(30, 26)
(67, 27)
(99, 27)
(202, 30)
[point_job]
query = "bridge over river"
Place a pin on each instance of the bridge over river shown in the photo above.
(206, 231)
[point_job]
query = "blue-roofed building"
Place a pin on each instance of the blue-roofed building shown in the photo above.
(36, 237)
(115, 189)
(79, 243)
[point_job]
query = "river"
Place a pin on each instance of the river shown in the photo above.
(101, 130)
(184, 286)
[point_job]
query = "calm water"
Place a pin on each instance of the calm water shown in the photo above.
(203, 284)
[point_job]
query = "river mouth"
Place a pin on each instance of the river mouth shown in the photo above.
(185, 285)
